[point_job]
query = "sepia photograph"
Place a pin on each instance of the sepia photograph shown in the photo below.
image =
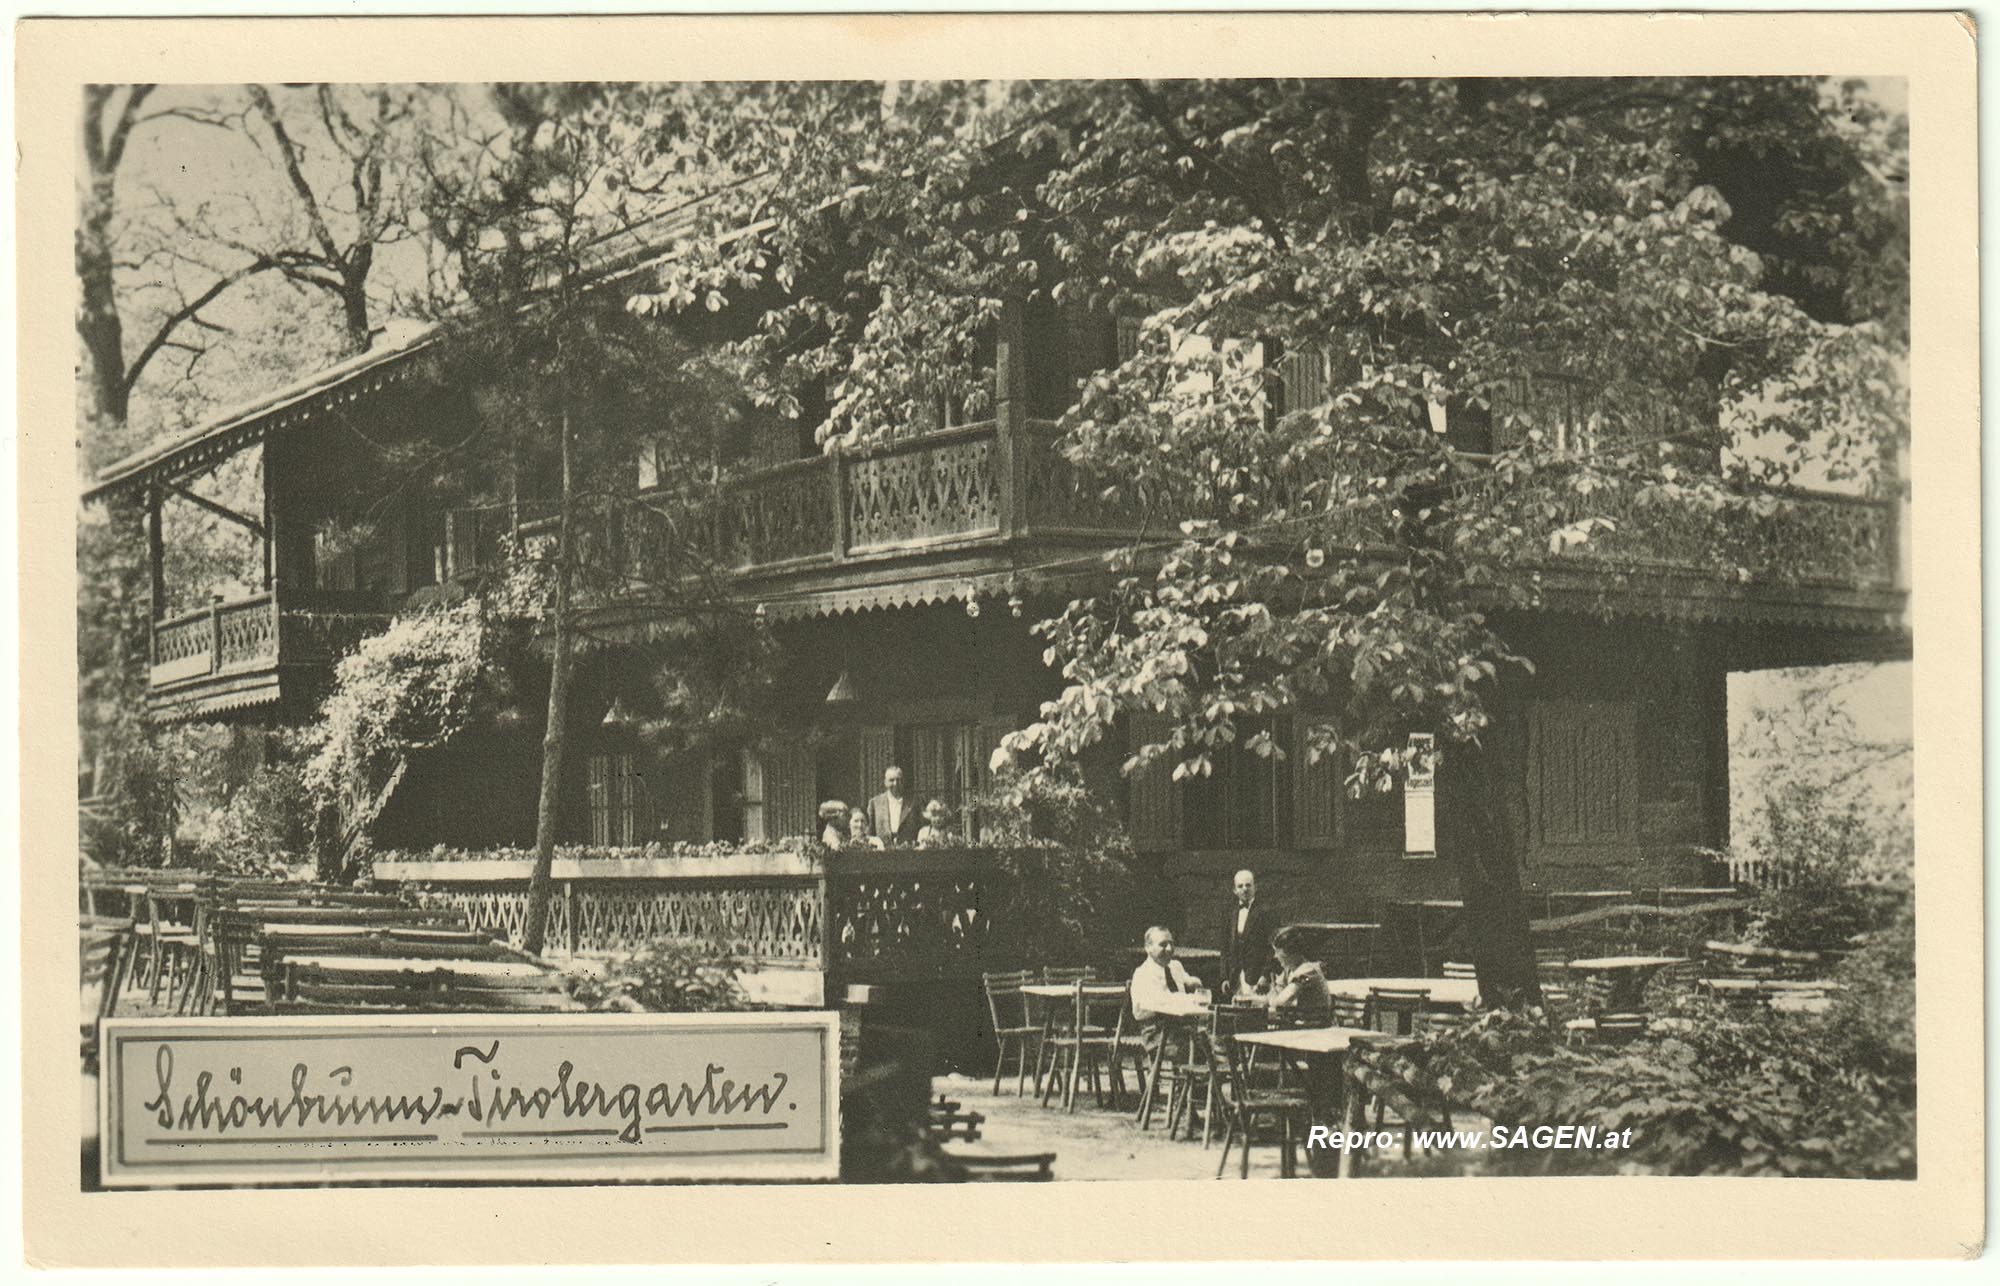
(994, 631)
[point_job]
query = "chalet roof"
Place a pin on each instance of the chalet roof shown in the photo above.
(619, 255)
(342, 382)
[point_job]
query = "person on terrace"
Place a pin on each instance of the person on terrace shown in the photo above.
(936, 833)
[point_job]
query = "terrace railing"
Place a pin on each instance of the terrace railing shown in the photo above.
(859, 917)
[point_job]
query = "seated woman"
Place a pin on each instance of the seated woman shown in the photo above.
(1300, 991)
(859, 833)
(935, 834)
(833, 824)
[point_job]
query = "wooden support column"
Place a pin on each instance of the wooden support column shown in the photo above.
(156, 550)
(1010, 416)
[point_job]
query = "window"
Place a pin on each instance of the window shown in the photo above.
(1244, 802)
(620, 803)
(333, 562)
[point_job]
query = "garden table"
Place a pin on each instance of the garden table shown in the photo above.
(1327, 1047)
(1628, 975)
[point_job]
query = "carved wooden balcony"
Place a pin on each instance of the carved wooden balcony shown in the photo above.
(244, 654)
(975, 501)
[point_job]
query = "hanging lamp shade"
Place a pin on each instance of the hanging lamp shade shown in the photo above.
(843, 692)
(619, 715)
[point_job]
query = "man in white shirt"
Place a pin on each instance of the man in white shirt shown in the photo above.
(1159, 977)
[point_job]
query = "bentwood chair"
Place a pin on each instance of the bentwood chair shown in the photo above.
(1460, 969)
(1007, 1008)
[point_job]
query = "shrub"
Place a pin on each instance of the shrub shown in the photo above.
(1720, 1091)
(671, 978)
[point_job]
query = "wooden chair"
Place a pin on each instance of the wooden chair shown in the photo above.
(1012, 1021)
(1243, 1106)
(106, 948)
(1087, 1045)
(1460, 969)
(1196, 1077)
(1351, 1011)
(1063, 977)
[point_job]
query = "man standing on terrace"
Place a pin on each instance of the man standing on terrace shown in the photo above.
(892, 814)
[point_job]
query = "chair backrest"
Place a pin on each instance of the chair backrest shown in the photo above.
(1103, 1012)
(1396, 1010)
(104, 946)
(1005, 1004)
(1350, 1011)
(1459, 969)
(311, 987)
(1053, 975)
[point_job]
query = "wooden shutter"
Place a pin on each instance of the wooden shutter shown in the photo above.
(789, 806)
(756, 826)
(878, 753)
(1155, 800)
(985, 739)
(1316, 788)
(1583, 772)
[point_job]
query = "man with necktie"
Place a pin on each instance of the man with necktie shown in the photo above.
(1246, 956)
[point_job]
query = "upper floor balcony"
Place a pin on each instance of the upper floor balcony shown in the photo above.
(270, 650)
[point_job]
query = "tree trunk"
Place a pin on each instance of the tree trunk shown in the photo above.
(97, 321)
(1484, 846)
(540, 884)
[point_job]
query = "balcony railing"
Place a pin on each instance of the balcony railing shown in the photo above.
(257, 634)
(955, 487)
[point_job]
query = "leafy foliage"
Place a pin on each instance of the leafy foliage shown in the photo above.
(419, 683)
(1436, 247)
(672, 978)
(1069, 890)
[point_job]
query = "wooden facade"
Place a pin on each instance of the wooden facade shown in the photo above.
(907, 576)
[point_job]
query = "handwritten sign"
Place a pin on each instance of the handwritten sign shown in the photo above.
(473, 1096)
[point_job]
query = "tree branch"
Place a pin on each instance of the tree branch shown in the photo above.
(1156, 110)
(184, 313)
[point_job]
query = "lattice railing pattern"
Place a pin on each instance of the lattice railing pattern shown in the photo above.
(785, 514)
(500, 913)
(763, 923)
(249, 632)
(1060, 495)
(1795, 537)
(908, 923)
(927, 490)
(183, 639)
(769, 924)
